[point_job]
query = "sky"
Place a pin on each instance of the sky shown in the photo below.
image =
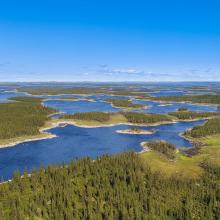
(109, 40)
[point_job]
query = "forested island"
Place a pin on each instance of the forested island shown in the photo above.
(102, 119)
(136, 131)
(201, 99)
(189, 115)
(125, 104)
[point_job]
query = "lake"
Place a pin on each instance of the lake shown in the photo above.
(75, 142)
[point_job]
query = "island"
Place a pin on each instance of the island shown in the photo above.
(125, 104)
(28, 119)
(136, 131)
(199, 99)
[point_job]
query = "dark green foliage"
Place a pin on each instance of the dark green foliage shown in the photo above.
(142, 118)
(26, 99)
(168, 149)
(182, 109)
(208, 99)
(96, 116)
(211, 169)
(23, 117)
(185, 115)
(118, 187)
(211, 127)
(124, 103)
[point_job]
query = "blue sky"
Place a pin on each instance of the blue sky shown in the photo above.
(110, 40)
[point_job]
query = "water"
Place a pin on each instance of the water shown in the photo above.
(74, 142)
(72, 107)
(5, 95)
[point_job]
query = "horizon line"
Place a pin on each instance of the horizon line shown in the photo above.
(130, 81)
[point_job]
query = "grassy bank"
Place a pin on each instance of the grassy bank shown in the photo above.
(185, 166)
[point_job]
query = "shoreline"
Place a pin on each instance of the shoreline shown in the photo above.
(70, 100)
(33, 138)
(133, 132)
(144, 148)
(62, 123)
(127, 108)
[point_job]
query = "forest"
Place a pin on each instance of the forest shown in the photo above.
(211, 127)
(167, 149)
(188, 115)
(122, 103)
(121, 117)
(142, 118)
(96, 116)
(205, 99)
(117, 187)
(22, 116)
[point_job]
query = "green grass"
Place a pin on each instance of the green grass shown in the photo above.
(184, 166)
